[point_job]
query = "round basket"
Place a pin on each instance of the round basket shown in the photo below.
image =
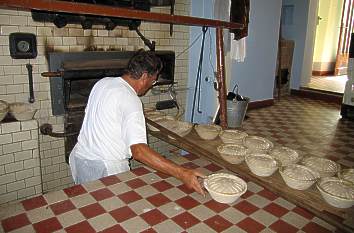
(336, 192)
(298, 176)
(325, 167)
(232, 153)
(232, 136)
(257, 144)
(225, 188)
(22, 111)
(4, 108)
(159, 119)
(347, 174)
(208, 132)
(261, 164)
(181, 128)
(285, 155)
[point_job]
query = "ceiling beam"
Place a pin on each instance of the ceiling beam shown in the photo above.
(109, 11)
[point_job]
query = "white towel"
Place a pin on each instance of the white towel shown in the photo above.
(238, 49)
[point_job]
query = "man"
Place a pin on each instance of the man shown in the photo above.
(114, 129)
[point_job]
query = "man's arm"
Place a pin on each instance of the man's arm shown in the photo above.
(148, 156)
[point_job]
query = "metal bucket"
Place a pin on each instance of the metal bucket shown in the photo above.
(236, 111)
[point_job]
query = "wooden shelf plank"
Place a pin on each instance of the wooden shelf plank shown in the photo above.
(309, 199)
(109, 11)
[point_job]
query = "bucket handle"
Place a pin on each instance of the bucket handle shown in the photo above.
(235, 88)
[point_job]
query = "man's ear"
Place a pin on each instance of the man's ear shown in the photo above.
(144, 75)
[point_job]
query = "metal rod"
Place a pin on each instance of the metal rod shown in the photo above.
(30, 83)
(220, 61)
(109, 11)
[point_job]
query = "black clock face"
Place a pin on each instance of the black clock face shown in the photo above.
(23, 46)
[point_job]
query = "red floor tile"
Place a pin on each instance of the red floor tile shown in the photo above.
(92, 210)
(15, 222)
(187, 202)
(162, 186)
(47, 226)
(140, 171)
(216, 206)
(162, 175)
(268, 194)
(213, 167)
(189, 165)
(114, 229)
(158, 199)
(135, 183)
(276, 209)
(218, 223)
(122, 214)
(75, 191)
(34, 203)
(185, 220)
(102, 194)
(247, 194)
(246, 207)
(314, 227)
(110, 180)
(185, 189)
(150, 230)
(250, 225)
(80, 227)
(191, 157)
(62, 207)
(281, 226)
(153, 217)
(129, 197)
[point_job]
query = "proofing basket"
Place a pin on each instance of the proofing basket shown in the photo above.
(22, 111)
(232, 153)
(225, 188)
(285, 155)
(336, 192)
(232, 136)
(298, 176)
(4, 107)
(257, 144)
(208, 132)
(325, 167)
(261, 164)
(347, 174)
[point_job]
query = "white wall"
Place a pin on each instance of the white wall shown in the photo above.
(256, 75)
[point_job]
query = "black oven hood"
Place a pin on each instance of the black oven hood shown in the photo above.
(87, 21)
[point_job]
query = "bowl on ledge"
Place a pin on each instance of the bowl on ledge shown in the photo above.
(22, 111)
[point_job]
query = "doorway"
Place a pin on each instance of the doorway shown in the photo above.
(330, 46)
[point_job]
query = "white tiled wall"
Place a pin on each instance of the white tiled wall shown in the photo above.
(14, 81)
(20, 175)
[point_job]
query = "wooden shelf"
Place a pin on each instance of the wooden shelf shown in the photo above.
(309, 199)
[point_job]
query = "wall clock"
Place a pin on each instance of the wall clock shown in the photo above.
(23, 45)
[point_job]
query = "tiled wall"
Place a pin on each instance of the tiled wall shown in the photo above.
(14, 81)
(20, 175)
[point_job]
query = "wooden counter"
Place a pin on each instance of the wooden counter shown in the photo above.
(309, 199)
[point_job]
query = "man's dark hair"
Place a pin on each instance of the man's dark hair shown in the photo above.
(143, 61)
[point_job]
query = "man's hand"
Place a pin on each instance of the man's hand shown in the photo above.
(190, 178)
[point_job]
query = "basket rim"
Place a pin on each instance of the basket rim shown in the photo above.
(329, 179)
(314, 173)
(242, 182)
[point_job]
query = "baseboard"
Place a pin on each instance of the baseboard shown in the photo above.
(323, 73)
(317, 95)
(260, 104)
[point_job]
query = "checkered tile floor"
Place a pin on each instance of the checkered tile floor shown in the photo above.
(146, 201)
(312, 127)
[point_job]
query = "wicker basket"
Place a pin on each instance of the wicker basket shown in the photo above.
(298, 176)
(232, 153)
(225, 188)
(181, 128)
(257, 144)
(4, 108)
(22, 111)
(325, 167)
(336, 192)
(232, 136)
(347, 174)
(208, 132)
(261, 164)
(285, 155)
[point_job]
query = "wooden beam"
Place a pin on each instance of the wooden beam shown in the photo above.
(220, 61)
(109, 11)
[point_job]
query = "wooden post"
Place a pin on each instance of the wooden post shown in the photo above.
(220, 61)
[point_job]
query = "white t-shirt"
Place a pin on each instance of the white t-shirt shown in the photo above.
(114, 121)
